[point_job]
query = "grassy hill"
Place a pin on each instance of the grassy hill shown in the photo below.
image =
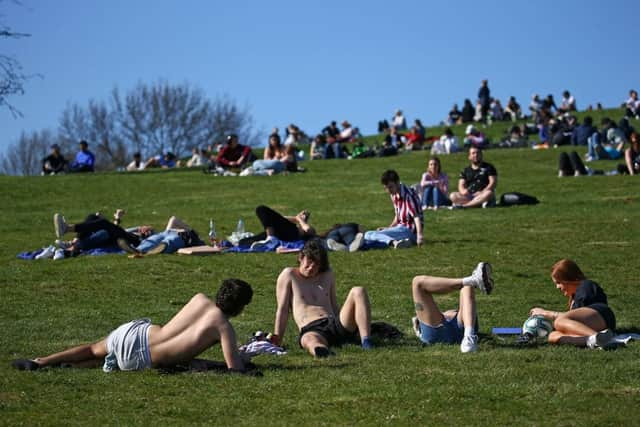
(46, 306)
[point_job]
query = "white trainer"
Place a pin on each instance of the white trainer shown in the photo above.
(469, 344)
(481, 277)
(47, 253)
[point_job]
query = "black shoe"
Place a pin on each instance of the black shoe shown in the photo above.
(25, 365)
(322, 352)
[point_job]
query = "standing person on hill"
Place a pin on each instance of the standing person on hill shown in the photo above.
(477, 183)
(406, 228)
(588, 322)
(332, 148)
(484, 97)
(85, 161)
(309, 292)
(435, 186)
(139, 344)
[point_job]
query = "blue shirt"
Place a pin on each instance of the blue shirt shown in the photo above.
(84, 158)
(581, 134)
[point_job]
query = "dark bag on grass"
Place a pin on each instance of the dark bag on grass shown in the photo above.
(514, 198)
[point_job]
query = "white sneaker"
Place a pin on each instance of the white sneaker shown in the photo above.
(58, 254)
(47, 253)
(62, 244)
(415, 324)
(60, 225)
(481, 277)
(469, 344)
(357, 242)
(336, 246)
(260, 244)
(601, 339)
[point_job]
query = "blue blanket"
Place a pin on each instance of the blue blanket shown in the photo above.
(92, 252)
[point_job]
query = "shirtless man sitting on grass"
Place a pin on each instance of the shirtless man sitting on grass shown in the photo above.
(139, 345)
(310, 291)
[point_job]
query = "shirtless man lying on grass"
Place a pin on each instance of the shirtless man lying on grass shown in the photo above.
(139, 345)
(310, 291)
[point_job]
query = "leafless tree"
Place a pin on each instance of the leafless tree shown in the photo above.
(25, 156)
(12, 75)
(163, 117)
(96, 124)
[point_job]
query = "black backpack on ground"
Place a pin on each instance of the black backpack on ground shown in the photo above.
(514, 198)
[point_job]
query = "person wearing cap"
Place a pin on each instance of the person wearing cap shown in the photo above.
(85, 160)
(54, 163)
(234, 154)
(474, 138)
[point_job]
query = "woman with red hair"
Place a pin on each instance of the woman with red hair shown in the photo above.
(589, 322)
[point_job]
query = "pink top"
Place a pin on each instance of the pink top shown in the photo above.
(442, 182)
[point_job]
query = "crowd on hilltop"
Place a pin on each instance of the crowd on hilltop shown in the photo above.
(552, 125)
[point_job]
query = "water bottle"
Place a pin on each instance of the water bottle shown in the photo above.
(240, 228)
(212, 233)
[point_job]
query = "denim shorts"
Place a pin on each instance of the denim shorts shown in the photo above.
(128, 347)
(448, 332)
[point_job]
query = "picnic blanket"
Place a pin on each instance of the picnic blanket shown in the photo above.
(30, 255)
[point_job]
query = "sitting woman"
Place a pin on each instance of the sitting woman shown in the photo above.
(288, 229)
(435, 186)
(631, 164)
(273, 160)
(589, 322)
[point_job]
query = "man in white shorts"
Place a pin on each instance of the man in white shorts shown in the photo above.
(139, 344)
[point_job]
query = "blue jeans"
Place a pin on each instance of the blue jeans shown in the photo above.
(594, 147)
(171, 238)
(432, 196)
(388, 235)
(275, 165)
(345, 234)
(97, 239)
(333, 151)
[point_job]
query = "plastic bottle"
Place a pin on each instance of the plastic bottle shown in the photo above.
(213, 240)
(240, 228)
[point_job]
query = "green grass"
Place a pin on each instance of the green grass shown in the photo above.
(46, 306)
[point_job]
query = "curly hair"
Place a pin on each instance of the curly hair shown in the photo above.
(233, 296)
(315, 250)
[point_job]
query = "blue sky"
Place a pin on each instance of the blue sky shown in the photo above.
(312, 62)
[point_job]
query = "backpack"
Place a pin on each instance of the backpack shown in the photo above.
(514, 198)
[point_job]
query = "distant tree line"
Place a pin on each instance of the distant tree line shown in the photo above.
(150, 119)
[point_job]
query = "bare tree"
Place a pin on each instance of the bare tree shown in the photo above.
(25, 156)
(97, 124)
(12, 76)
(163, 117)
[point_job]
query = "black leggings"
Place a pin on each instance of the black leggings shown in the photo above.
(570, 163)
(283, 229)
(94, 223)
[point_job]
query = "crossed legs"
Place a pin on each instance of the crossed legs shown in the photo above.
(576, 326)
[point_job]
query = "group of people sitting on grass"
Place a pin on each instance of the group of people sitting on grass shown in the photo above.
(308, 292)
(55, 163)
(476, 188)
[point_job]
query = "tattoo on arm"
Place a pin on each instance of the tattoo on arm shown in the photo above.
(418, 306)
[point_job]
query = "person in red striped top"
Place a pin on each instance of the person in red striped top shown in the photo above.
(406, 228)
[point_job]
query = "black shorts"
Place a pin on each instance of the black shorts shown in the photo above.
(330, 329)
(606, 313)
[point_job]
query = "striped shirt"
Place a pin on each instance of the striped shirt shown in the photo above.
(406, 203)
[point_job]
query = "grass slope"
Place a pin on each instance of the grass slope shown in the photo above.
(46, 306)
